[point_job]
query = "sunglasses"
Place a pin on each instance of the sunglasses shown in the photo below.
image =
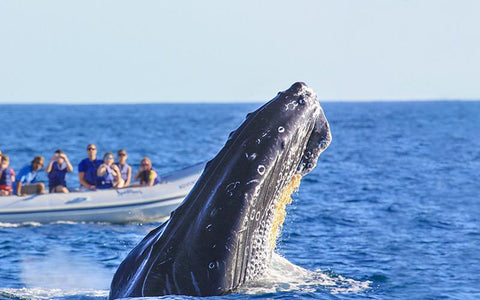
(91, 148)
(122, 154)
(145, 164)
(109, 157)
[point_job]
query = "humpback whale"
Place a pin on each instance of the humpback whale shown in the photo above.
(223, 234)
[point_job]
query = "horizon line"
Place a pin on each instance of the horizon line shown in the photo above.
(235, 102)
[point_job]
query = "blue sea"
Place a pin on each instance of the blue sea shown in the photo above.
(392, 210)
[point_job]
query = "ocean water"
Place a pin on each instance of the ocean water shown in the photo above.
(392, 210)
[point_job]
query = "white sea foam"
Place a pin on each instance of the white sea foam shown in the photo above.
(14, 225)
(66, 222)
(284, 276)
(43, 293)
(36, 224)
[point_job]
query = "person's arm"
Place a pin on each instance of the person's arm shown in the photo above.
(101, 170)
(117, 176)
(81, 175)
(116, 172)
(129, 176)
(69, 165)
(81, 179)
(19, 189)
(137, 175)
(48, 169)
(18, 181)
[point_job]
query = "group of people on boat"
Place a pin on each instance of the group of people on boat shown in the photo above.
(93, 173)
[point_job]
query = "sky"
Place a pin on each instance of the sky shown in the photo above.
(118, 51)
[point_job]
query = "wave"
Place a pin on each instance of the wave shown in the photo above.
(36, 224)
(33, 224)
(25, 224)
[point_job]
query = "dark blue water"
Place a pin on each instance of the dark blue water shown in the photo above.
(392, 210)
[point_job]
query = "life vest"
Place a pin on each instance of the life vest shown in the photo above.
(105, 181)
(57, 176)
(123, 171)
(6, 177)
(144, 177)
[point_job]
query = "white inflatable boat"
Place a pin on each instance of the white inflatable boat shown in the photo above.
(133, 204)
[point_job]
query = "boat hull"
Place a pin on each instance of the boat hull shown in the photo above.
(133, 204)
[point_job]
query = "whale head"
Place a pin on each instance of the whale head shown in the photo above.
(223, 234)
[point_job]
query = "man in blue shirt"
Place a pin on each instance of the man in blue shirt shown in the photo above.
(26, 182)
(87, 169)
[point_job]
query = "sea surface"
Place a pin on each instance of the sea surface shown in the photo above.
(392, 210)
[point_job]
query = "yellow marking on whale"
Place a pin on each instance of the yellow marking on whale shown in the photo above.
(280, 212)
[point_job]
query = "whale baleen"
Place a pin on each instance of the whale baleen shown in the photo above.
(224, 233)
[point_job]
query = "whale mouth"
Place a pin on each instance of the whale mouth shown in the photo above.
(320, 136)
(303, 134)
(319, 139)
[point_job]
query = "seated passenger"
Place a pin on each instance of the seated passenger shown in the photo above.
(87, 169)
(147, 174)
(125, 169)
(7, 176)
(57, 170)
(108, 174)
(26, 181)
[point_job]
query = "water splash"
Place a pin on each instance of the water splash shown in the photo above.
(64, 269)
(284, 276)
